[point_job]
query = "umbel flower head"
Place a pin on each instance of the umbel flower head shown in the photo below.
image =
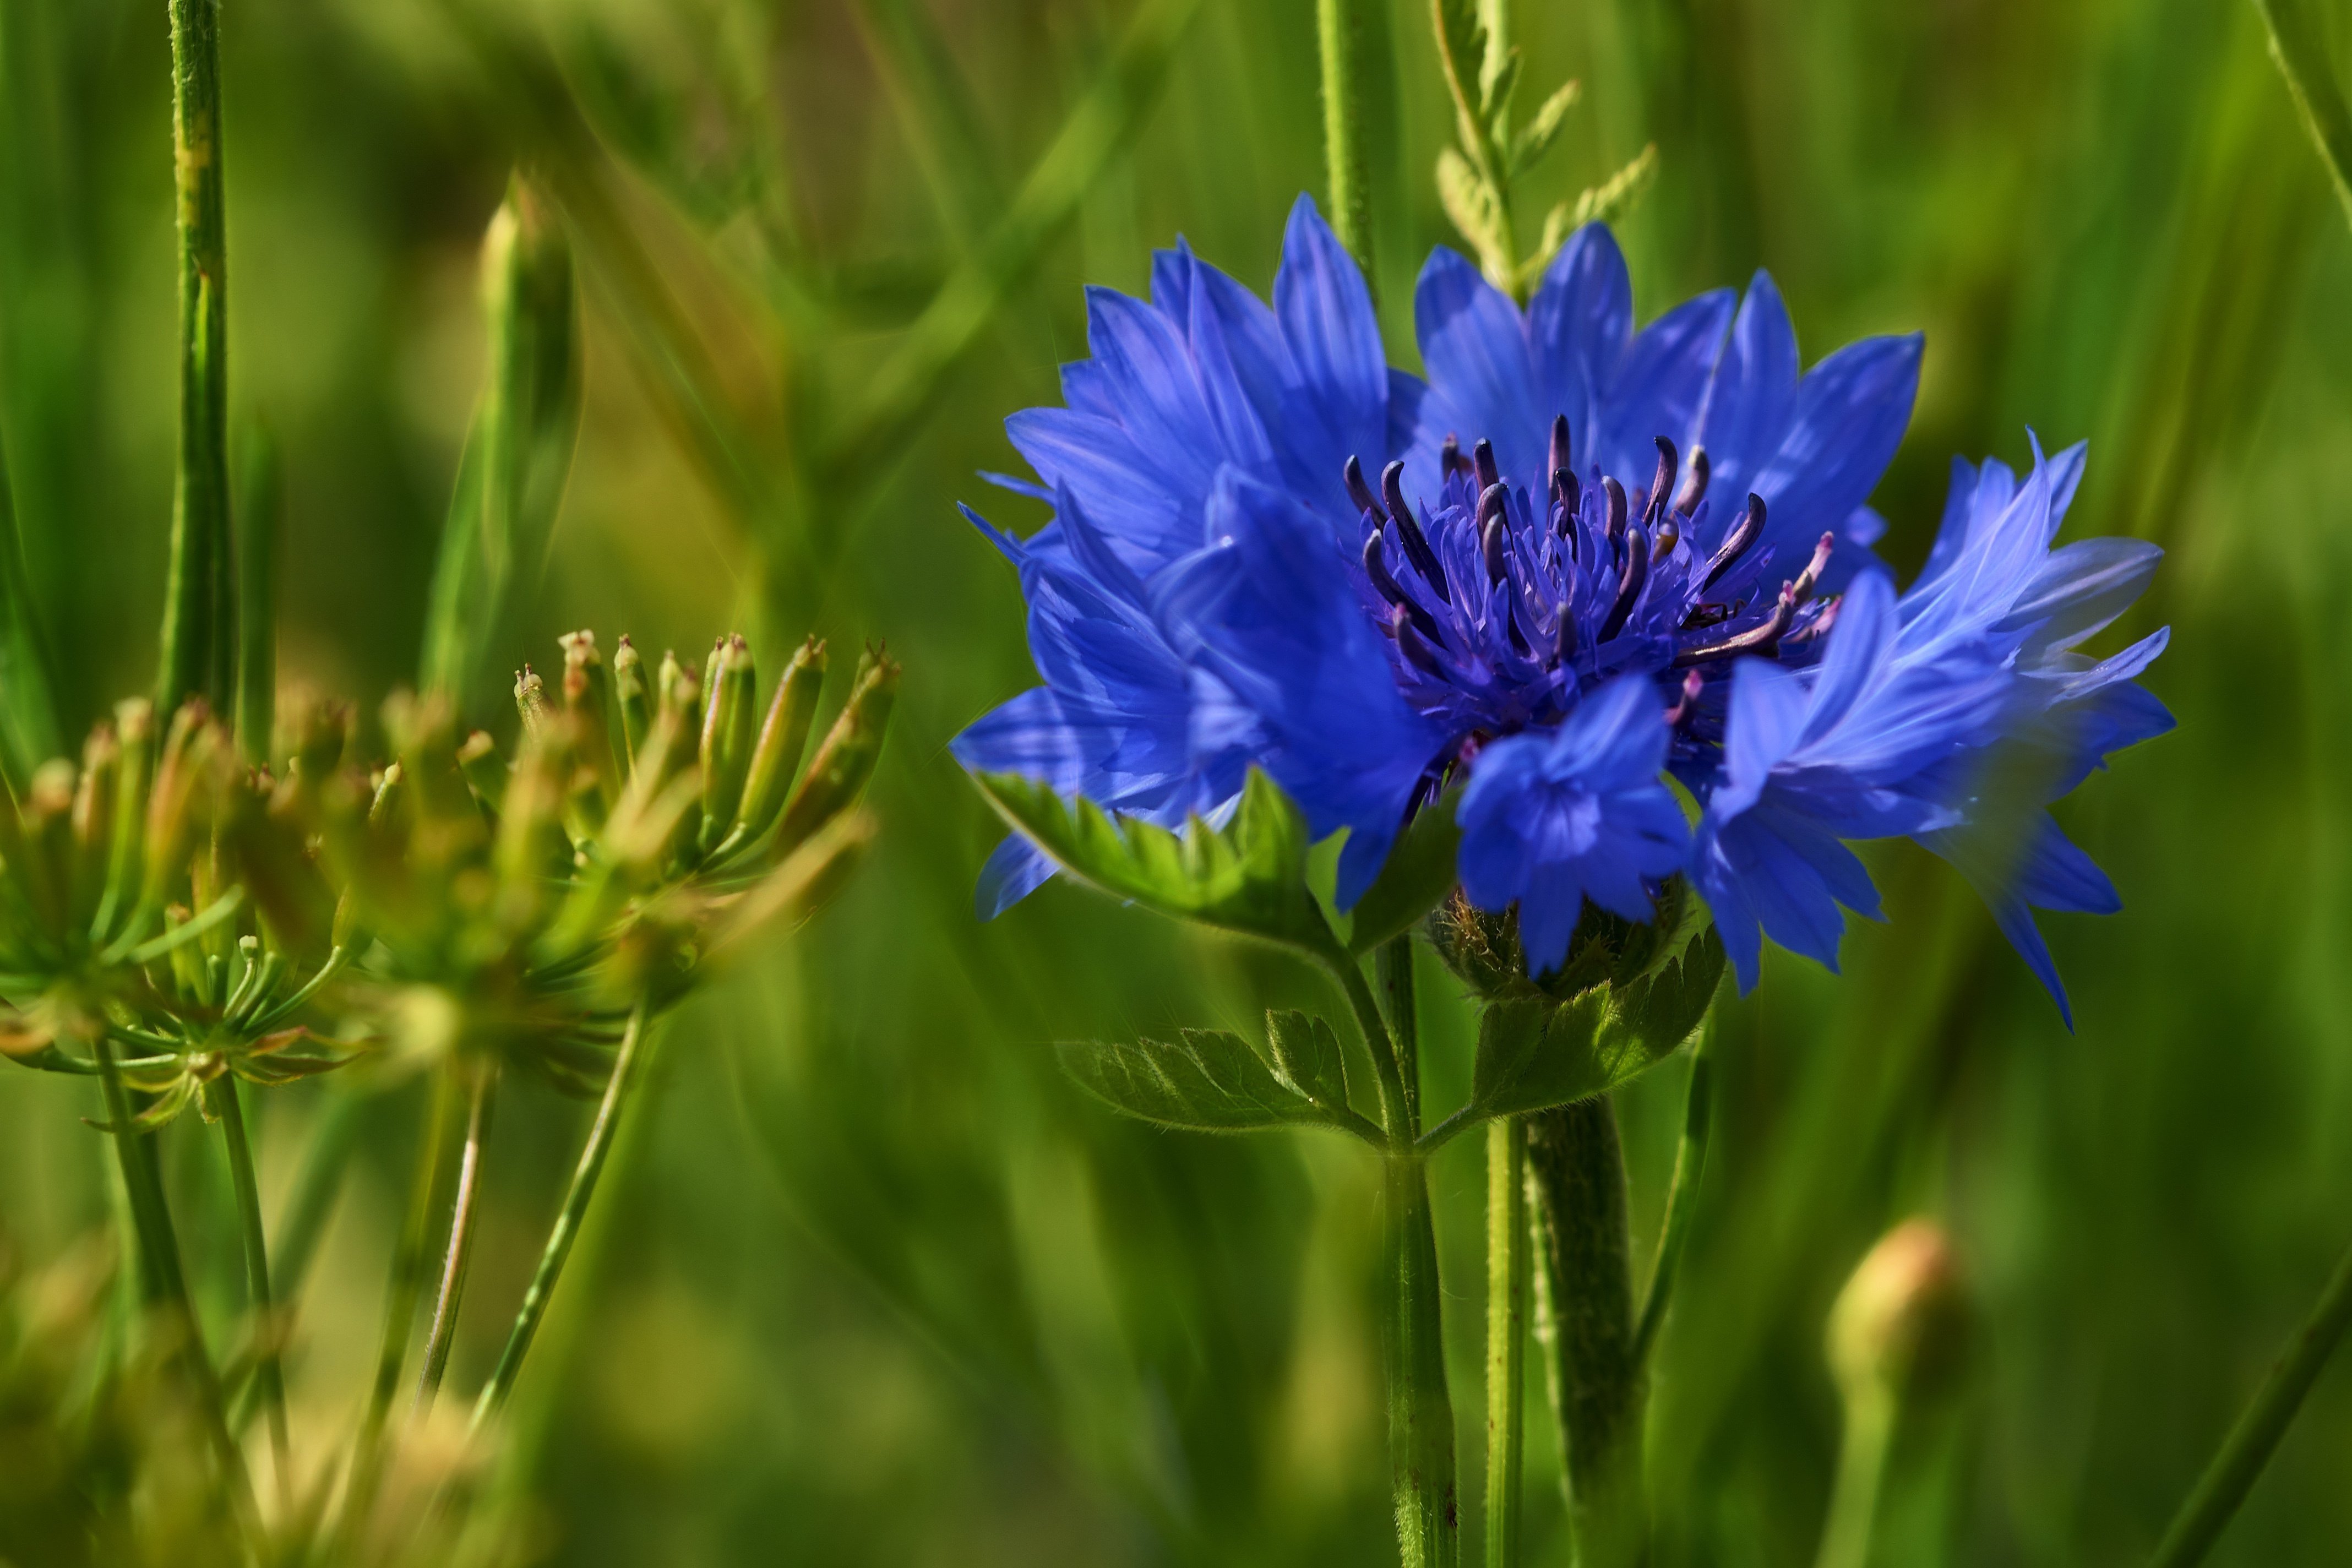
(1593, 560)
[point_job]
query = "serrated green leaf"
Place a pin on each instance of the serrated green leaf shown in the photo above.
(1249, 877)
(1418, 873)
(1306, 1053)
(1470, 203)
(1497, 87)
(1536, 140)
(1209, 1080)
(1461, 48)
(1597, 204)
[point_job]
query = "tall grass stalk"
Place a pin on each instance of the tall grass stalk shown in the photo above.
(481, 1101)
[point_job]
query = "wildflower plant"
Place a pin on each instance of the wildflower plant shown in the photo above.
(1580, 651)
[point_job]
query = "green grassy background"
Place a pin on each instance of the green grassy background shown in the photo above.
(876, 1285)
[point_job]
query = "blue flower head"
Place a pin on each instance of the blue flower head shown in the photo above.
(1579, 560)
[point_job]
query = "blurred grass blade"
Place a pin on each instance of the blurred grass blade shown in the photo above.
(943, 125)
(1101, 126)
(199, 598)
(29, 735)
(519, 452)
(260, 542)
(2301, 50)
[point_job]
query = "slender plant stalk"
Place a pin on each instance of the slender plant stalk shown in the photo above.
(1340, 25)
(167, 1285)
(2301, 49)
(1506, 1303)
(1682, 1202)
(2248, 1448)
(269, 1369)
(1870, 1416)
(1576, 1176)
(483, 1101)
(195, 635)
(625, 1065)
(259, 522)
(402, 1286)
(29, 731)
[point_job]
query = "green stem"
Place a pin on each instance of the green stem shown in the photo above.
(1862, 1466)
(402, 1286)
(625, 1067)
(1682, 1202)
(195, 636)
(483, 1102)
(229, 1105)
(1340, 25)
(2223, 1486)
(257, 547)
(2301, 49)
(1506, 1297)
(167, 1286)
(1576, 1180)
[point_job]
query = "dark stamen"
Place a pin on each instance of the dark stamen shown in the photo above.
(1695, 491)
(1564, 639)
(1616, 493)
(1567, 495)
(1803, 586)
(1743, 534)
(1359, 492)
(1409, 534)
(1662, 486)
(1376, 567)
(1560, 456)
(1417, 652)
(1449, 457)
(1490, 544)
(1482, 457)
(1629, 587)
(1706, 615)
(1764, 639)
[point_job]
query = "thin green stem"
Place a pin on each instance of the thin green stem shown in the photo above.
(627, 1063)
(402, 1285)
(260, 524)
(1421, 1409)
(2300, 46)
(195, 634)
(1576, 1181)
(1507, 1300)
(483, 1101)
(1340, 25)
(269, 1368)
(1399, 1104)
(1869, 1415)
(2248, 1448)
(1682, 1202)
(167, 1285)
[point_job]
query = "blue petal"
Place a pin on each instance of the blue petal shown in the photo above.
(1334, 337)
(1578, 326)
(1851, 412)
(1752, 396)
(1476, 352)
(1660, 384)
(1015, 870)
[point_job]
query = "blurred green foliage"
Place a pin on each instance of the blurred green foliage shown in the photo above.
(878, 1286)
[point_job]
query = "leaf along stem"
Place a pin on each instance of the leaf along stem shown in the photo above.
(2255, 1437)
(628, 1063)
(481, 1103)
(1682, 1201)
(1507, 1300)
(269, 1372)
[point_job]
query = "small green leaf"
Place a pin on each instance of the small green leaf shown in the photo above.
(1418, 873)
(1307, 1054)
(1249, 877)
(1461, 50)
(1500, 81)
(1210, 1081)
(1470, 203)
(1543, 129)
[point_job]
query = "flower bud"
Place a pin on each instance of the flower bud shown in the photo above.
(531, 845)
(846, 761)
(96, 804)
(588, 699)
(50, 841)
(1900, 1326)
(134, 729)
(179, 805)
(782, 739)
(423, 736)
(636, 702)
(530, 700)
(729, 734)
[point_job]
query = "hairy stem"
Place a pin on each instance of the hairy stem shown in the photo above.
(1420, 1409)
(2248, 1448)
(483, 1101)
(1340, 25)
(1576, 1180)
(627, 1063)
(1506, 1299)
(269, 1371)
(1682, 1202)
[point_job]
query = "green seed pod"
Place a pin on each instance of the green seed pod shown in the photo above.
(782, 740)
(1900, 1327)
(728, 736)
(134, 728)
(846, 761)
(179, 804)
(708, 686)
(531, 845)
(530, 700)
(588, 697)
(424, 734)
(485, 773)
(629, 691)
(95, 804)
(50, 841)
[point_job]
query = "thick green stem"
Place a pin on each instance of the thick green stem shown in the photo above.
(1421, 1410)
(1576, 1182)
(1869, 1415)
(454, 1263)
(199, 606)
(625, 1067)
(167, 1285)
(1682, 1202)
(1506, 1305)
(1340, 26)
(2223, 1486)
(269, 1369)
